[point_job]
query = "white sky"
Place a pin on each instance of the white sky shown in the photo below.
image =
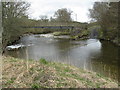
(48, 7)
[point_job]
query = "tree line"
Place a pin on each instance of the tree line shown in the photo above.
(13, 14)
(61, 15)
(106, 14)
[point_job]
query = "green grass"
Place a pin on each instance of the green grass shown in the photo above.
(10, 81)
(46, 74)
(13, 60)
(36, 86)
(43, 61)
(61, 33)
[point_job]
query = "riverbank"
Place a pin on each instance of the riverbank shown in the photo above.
(78, 36)
(115, 42)
(74, 35)
(19, 73)
(16, 38)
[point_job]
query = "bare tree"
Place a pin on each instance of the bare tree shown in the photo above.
(14, 9)
(63, 15)
(12, 13)
(44, 18)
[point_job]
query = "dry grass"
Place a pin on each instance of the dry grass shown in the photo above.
(43, 74)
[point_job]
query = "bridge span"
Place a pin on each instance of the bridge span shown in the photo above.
(50, 27)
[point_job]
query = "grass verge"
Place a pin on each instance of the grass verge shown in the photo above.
(18, 73)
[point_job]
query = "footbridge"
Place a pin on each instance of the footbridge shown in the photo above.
(51, 27)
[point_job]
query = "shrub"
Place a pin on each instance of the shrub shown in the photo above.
(43, 61)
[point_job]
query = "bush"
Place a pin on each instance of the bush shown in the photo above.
(43, 61)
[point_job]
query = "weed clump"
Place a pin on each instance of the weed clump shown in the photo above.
(43, 61)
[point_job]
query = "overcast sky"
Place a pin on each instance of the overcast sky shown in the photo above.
(48, 7)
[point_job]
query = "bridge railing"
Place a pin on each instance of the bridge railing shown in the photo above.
(50, 27)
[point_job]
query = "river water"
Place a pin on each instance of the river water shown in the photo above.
(91, 54)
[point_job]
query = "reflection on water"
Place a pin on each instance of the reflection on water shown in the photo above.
(88, 54)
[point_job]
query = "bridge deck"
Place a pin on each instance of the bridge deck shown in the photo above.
(50, 27)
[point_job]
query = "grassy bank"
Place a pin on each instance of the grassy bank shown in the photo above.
(74, 35)
(83, 34)
(61, 33)
(43, 74)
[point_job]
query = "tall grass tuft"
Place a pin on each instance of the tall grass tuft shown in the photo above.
(43, 61)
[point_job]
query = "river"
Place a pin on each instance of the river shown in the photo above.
(90, 54)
